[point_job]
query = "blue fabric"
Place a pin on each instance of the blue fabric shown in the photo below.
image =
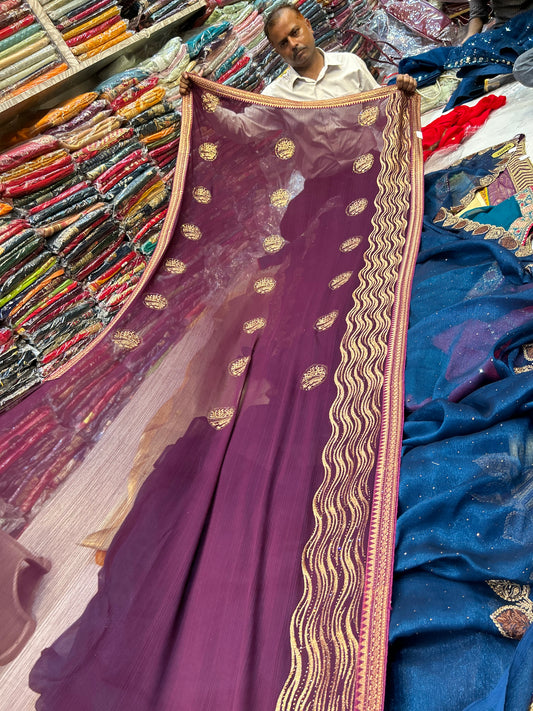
(466, 483)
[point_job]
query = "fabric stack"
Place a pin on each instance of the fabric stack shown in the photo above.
(152, 11)
(88, 28)
(169, 64)
(27, 57)
(324, 31)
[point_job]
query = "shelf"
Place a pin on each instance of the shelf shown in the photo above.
(78, 71)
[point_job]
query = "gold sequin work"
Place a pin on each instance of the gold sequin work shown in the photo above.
(350, 244)
(208, 151)
(368, 116)
(512, 620)
(191, 232)
(273, 243)
(201, 195)
(363, 163)
(255, 324)
(127, 340)
(339, 280)
(326, 321)
(210, 102)
(155, 301)
(220, 417)
(313, 377)
(264, 285)
(356, 207)
(175, 266)
(238, 366)
(284, 148)
(280, 198)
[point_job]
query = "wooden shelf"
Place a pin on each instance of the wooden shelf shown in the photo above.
(78, 71)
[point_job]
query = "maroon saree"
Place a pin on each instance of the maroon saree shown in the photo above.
(254, 569)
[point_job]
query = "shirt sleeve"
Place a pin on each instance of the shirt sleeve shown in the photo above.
(364, 80)
(479, 8)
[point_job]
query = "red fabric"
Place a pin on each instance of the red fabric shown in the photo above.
(16, 26)
(451, 128)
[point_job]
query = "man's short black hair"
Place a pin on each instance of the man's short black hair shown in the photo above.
(271, 16)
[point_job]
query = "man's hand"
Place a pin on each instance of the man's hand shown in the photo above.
(186, 83)
(406, 83)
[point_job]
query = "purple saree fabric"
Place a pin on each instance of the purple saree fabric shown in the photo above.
(254, 569)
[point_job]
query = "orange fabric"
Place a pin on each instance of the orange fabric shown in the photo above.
(35, 82)
(101, 39)
(93, 22)
(107, 45)
(150, 98)
(66, 110)
(31, 165)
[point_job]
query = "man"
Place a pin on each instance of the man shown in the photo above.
(312, 74)
(502, 10)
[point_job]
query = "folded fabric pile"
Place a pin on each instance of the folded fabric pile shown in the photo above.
(88, 28)
(169, 64)
(323, 29)
(27, 57)
(152, 11)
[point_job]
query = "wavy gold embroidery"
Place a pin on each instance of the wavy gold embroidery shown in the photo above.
(363, 163)
(339, 280)
(349, 244)
(356, 207)
(326, 321)
(191, 232)
(208, 151)
(273, 243)
(368, 116)
(512, 620)
(127, 340)
(209, 101)
(313, 377)
(265, 285)
(284, 148)
(201, 195)
(175, 266)
(155, 301)
(255, 324)
(238, 366)
(220, 417)
(280, 198)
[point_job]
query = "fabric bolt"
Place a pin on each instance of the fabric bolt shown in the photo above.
(46, 53)
(41, 78)
(81, 138)
(24, 78)
(24, 53)
(89, 34)
(114, 40)
(94, 22)
(134, 92)
(20, 36)
(74, 17)
(145, 101)
(101, 39)
(16, 26)
(23, 44)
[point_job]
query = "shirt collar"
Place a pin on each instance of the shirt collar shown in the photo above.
(293, 76)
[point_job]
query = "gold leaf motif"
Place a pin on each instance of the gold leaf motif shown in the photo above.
(255, 324)
(238, 366)
(509, 590)
(356, 207)
(284, 148)
(313, 377)
(201, 195)
(209, 102)
(363, 163)
(280, 198)
(175, 266)
(191, 232)
(326, 321)
(512, 622)
(155, 301)
(273, 243)
(368, 116)
(127, 340)
(264, 285)
(220, 417)
(349, 244)
(208, 151)
(339, 280)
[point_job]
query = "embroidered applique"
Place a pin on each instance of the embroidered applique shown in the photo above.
(175, 266)
(284, 148)
(201, 195)
(369, 116)
(273, 243)
(349, 244)
(191, 232)
(155, 301)
(255, 324)
(512, 620)
(265, 285)
(339, 280)
(238, 366)
(280, 198)
(208, 151)
(210, 102)
(127, 340)
(220, 417)
(313, 377)
(356, 207)
(326, 321)
(363, 163)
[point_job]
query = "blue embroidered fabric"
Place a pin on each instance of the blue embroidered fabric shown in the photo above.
(464, 552)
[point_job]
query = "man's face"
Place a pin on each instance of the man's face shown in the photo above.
(292, 37)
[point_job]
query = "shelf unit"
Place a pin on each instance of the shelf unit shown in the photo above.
(78, 71)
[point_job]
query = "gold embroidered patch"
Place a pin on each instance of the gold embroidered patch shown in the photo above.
(191, 232)
(220, 417)
(209, 102)
(326, 321)
(208, 151)
(356, 207)
(273, 243)
(339, 280)
(284, 148)
(349, 244)
(363, 163)
(313, 377)
(264, 285)
(127, 340)
(238, 366)
(175, 266)
(155, 301)
(201, 195)
(512, 620)
(255, 324)
(368, 116)
(528, 351)
(280, 198)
